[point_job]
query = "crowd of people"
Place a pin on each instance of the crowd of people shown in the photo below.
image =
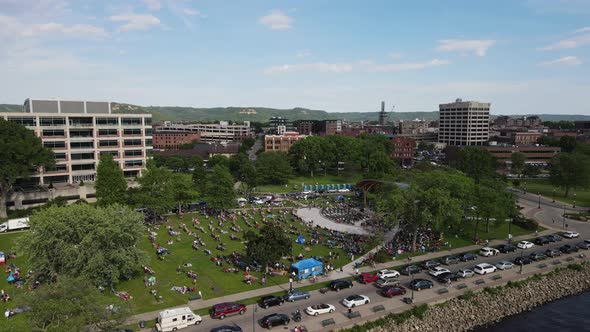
(427, 240)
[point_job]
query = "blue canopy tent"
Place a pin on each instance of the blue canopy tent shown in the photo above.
(300, 240)
(321, 187)
(317, 187)
(307, 267)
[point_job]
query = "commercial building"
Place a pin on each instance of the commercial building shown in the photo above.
(280, 125)
(504, 121)
(514, 136)
(221, 132)
(174, 139)
(464, 123)
(281, 143)
(582, 126)
(403, 150)
(319, 127)
(204, 151)
(79, 132)
(533, 154)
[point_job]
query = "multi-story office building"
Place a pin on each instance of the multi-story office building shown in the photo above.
(173, 140)
(221, 132)
(281, 143)
(320, 127)
(79, 132)
(464, 123)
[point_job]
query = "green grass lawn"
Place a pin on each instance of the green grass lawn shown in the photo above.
(15, 323)
(295, 184)
(546, 189)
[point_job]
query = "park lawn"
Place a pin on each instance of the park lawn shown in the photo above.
(7, 243)
(295, 183)
(544, 187)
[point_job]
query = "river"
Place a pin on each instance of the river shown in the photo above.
(568, 314)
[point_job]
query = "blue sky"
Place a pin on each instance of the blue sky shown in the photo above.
(529, 56)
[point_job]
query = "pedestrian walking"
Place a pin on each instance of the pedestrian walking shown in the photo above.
(263, 281)
(7, 313)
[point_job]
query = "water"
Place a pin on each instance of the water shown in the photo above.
(569, 314)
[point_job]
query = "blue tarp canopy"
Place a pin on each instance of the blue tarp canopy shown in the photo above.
(300, 239)
(307, 267)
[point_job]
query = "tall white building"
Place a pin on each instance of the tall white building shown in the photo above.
(464, 123)
(79, 132)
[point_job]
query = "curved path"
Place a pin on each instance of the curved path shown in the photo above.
(314, 216)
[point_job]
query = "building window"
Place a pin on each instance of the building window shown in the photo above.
(59, 155)
(107, 132)
(132, 142)
(82, 156)
(107, 121)
(148, 142)
(54, 144)
(148, 132)
(53, 132)
(132, 153)
(81, 133)
(133, 163)
(134, 132)
(81, 145)
(131, 121)
(23, 120)
(83, 167)
(147, 121)
(52, 121)
(57, 168)
(103, 143)
(131, 174)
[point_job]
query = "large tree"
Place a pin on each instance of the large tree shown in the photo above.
(98, 244)
(110, 182)
(21, 153)
(156, 190)
(183, 191)
(307, 155)
(72, 304)
(219, 189)
(518, 162)
(476, 162)
(273, 168)
(570, 170)
(242, 170)
(270, 245)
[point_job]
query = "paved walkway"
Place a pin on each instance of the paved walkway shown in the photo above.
(529, 209)
(313, 215)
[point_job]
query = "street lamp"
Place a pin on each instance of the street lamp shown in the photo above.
(290, 284)
(253, 317)
(563, 216)
(574, 206)
(412, 284)
(524, 188)
(553, 195)
(521, 263)
(539, 199)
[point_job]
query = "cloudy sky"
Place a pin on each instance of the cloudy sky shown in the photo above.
(529, 56)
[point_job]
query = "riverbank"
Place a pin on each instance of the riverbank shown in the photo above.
(491, 305)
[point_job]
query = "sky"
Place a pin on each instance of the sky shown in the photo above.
(523, 56)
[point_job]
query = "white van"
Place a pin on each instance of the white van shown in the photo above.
(178, 318)
(484, 268)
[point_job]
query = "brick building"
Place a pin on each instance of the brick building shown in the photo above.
(281, 143)
(404, 150)
(173, 140)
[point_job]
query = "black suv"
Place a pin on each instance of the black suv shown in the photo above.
(270, 301)
(271, 320)
(445, 277)
(524, 260)
(467, 257)
(337, 285)
(541, 241)
(418, 284)
(568, 248)
(411, 269)
(506, 248)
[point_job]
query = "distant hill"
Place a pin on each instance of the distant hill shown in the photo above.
(263, 114)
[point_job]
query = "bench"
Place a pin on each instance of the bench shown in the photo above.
(569, 259)
(442, 291)
(556, 262)
(542, 265)
(197, 296)
(378, 308)
(408, 300)
(461, 286)
(497, 277)
(329, 321)
(480, 281)
(354, 314)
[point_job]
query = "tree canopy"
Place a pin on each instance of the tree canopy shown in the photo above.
(273, 168)
(156, 190)
(570, 170)
(270, 245)
(476, 162)
(110, 184)
(21, 153)
(99, 244)
(219, 189)
(518, 161)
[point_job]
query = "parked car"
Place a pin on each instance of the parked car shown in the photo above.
(445, 277)
(391, 291)
(538, 256)
(430, 264)
(275, 319)
(467, 257)
(437, 270)
(484, 268)
(387, 282)
(355, 300)
(541, 241)
(388, 274)
(525, 245)
(506, 248)
(571, 234)
(504, 265)
(584, 245)
(448, 260)
(568, 248)
(466, 273)
(419, 284)
(364, 278)
(554, 238)
(552, 252)
(337, 285)
(296, 295)
(227, 328)
(225, 309)
(487, 251)
(411, 269)
(270, 301)
(522, 260)
(319, 309)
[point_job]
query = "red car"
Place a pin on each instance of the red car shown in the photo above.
(223, 310)
(392, 291)
(365, 278)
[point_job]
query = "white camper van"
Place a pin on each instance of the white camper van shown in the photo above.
(178, 318)
(15, 224)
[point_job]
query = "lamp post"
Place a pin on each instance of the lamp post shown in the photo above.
(574, 206)
(563, 216)
(539, 199)
(524, 188)
(253, 317)
(290, 284)
(412, 284)
(521, 264)
(553, 195)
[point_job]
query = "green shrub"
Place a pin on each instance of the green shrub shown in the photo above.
(382, 256)
(575, 267)
(493, 290)
(468, 295)
(525, 223)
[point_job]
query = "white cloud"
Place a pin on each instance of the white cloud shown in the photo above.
(303, 53)
(192, 12)
(11, 27)
(276, 20)
(153, 4)
(136, 21)
(396, 55)
(477, 46)
(364, 65)
(584, 29)
(573, 42)
(566, 60)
